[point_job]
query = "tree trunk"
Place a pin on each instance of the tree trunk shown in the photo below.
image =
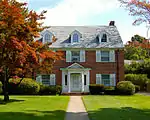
(5, 86)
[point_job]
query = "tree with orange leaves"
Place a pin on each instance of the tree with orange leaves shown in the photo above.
(19, 52)
(138, 8)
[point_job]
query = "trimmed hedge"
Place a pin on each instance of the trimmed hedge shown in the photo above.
(96, 89)
(108, 90)
(26, 87)
(138, 79)
(1, 87)
(50, 90)
(125, 88)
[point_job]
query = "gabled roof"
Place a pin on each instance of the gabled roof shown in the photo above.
(74, 66)
(88, 40)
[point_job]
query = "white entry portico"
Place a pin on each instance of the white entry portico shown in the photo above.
(75, 79)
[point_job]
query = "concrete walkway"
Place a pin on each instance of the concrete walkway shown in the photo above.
(76, 109)
(144, 93)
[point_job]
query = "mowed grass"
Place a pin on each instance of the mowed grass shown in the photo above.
(135, 107)
(34, 108)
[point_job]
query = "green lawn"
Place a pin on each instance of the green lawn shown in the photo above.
(135, 107)
(34, 108)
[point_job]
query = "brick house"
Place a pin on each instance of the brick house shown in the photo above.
(92, 55)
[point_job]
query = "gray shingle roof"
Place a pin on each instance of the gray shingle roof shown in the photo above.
(88, 39)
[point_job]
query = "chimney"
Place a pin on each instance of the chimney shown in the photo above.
(112, 23)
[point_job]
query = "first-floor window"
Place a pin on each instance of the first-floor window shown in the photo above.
(48, 79)
(106, 80)
(103, 79)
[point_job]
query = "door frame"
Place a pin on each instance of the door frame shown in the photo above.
(84, 88)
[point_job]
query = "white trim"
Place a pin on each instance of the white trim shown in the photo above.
(84, 88)
(98, 79)
(82, 74)
(68, 56)
(98, 55)
(112, 56)
(76, 65)
(69, 89)
(39, 79)
(82, 56)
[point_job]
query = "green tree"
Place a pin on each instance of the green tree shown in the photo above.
(138, 38)
(135, 53)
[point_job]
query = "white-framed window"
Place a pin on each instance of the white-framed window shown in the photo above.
(104, 38)
(75, 56)
(106, 79)
(105, 56)
(75, 37)
(47, 38)
(48, 79)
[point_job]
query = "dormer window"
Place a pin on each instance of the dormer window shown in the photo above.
(47, 37)
(75, 38)
(104, 38)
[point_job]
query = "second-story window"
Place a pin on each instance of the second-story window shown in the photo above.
(75, 37)
(47, 37)
(104, 38)
(75, 56)
(105, 56)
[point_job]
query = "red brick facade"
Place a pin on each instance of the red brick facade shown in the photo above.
(96, 67)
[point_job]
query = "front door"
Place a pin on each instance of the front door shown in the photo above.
(75, 82)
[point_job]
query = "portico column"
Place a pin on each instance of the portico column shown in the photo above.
(82, 82)
(69, 90)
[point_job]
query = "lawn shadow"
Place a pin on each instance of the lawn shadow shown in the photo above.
(33, 115)
(124, 113)
(10, 101)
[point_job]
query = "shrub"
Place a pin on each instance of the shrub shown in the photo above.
(1, 87)
(125, 88)
(26, 87)
(58, 89)
(96, 89)
(137, 88)
(50, 90)
(109, 90)
(47, 90)
(138, 79)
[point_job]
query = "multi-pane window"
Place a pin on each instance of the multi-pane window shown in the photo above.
(105, 79)
(47, 37)
(48, 79)
(104, 56)
(104, 38)
(75, 37)
(75, 56)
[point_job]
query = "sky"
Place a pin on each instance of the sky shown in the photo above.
(88, 12)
